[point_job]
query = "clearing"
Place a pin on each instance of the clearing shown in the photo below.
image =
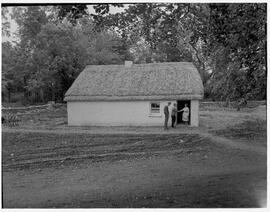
(47, 164)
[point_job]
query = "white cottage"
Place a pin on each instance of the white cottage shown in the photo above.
(133, 94)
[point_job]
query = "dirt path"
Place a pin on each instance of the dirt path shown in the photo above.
(114, 170)
(154, 182)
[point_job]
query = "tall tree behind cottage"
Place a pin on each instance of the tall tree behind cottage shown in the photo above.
(237, 44)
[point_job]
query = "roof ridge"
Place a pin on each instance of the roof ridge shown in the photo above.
(140, 64)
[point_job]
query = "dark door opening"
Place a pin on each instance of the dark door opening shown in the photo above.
(180, 106)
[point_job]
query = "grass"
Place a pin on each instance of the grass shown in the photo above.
(254, 131)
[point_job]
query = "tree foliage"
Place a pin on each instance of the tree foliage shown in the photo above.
(239, 32)
(226, 42)
(5, 22)
(71, 12)
(51, 53)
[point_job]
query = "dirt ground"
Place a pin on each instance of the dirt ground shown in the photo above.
(221, 164)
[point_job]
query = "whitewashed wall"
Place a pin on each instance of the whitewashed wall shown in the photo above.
(116, 113)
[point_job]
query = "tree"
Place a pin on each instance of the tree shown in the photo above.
(57, 60)
(7, 69)
(192, 34)
(64, 50)
(5, 22)
(154, 24)
(72, 12)
(30, 20)
(51, 53)
(103, 18)
(239, 30)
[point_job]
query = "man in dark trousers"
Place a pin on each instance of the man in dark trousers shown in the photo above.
(173, 115)
(166, 113)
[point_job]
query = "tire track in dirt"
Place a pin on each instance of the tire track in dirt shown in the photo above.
(86, 156)
(94, 148)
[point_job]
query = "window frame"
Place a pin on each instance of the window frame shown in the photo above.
(154, 114)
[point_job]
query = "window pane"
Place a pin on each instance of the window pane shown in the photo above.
(155, 107)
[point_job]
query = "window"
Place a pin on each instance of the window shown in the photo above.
(155, 108)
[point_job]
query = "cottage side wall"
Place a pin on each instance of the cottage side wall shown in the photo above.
(194, 109)
(108, 113)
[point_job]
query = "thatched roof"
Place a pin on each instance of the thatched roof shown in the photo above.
(152, 81)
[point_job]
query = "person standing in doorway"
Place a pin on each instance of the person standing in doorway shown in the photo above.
(173, 114)
(185, 115)
(166, 113)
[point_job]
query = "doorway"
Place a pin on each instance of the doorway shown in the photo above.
(180, 106)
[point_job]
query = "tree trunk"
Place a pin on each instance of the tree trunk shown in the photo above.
(227, 102)
(9, 95)
(53, 94)
(42, 95)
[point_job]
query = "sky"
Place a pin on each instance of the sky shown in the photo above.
(14, 26)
